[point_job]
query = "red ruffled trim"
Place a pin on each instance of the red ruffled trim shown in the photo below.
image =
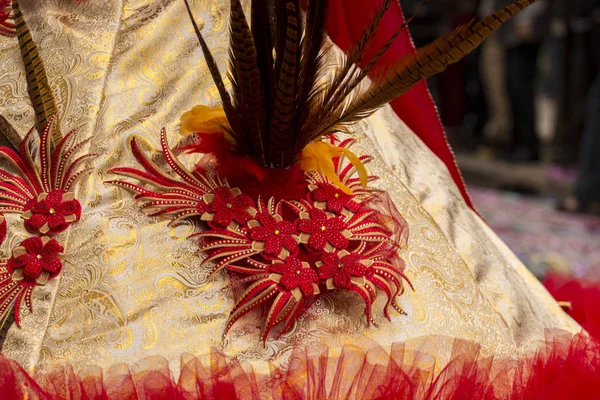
(565, 367)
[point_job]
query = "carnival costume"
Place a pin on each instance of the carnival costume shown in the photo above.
(250, 219)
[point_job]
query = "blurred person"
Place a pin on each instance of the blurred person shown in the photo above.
(465, 106)
(432, 21)
(578, 67)
(457, 90)
(587, 189)
(522, 38)
(493, 76)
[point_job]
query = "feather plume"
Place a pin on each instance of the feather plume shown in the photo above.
(426, 62)
(314, 51)
(262, 32)
(38, 87)
(286, 80)
(355, 56)
(247, 79)
(355, 76)
(232, 116)
(281, 98)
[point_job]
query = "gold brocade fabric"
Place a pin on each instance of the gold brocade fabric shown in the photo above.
(131, 287)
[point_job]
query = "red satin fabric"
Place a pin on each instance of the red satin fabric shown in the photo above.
(583, 296)
(565, 367)
(347, 20)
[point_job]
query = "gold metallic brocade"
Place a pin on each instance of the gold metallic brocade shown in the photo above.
(132, 287)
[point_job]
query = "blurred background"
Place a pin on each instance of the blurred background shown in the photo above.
(522, 114)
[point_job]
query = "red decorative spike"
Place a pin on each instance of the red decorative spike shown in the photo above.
(41, 192)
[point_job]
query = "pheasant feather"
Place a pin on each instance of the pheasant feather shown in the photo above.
(286, 84)
(230, 112)
(426, 62)
(282, 98)
(247, 79)
(38, 87)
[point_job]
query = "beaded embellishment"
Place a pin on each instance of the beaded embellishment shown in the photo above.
(42, 192)
(284, 252)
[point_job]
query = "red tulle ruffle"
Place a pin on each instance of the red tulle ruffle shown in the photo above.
(565, 367)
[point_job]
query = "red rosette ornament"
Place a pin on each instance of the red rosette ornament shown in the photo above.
(52, 213)
(34, 262)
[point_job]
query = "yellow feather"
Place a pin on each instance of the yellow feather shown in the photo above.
(318, 156)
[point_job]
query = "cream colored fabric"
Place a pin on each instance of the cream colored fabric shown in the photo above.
(132, 287)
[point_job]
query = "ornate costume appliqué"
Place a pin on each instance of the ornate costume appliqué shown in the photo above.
(43, 195)
(284, 252)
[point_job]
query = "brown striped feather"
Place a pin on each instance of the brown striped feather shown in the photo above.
(426, 62)
(247, 78)
(361, 75)
(314, 51)
(261, 30)
(230, 112)
(38, 87)
(286, 82)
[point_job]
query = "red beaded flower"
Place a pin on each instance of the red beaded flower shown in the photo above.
(227, 205)
(334, 198)
(321, 231)
(337, 270)
(36, 259)
(274, 233)
(52, 213)
(296, 274)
